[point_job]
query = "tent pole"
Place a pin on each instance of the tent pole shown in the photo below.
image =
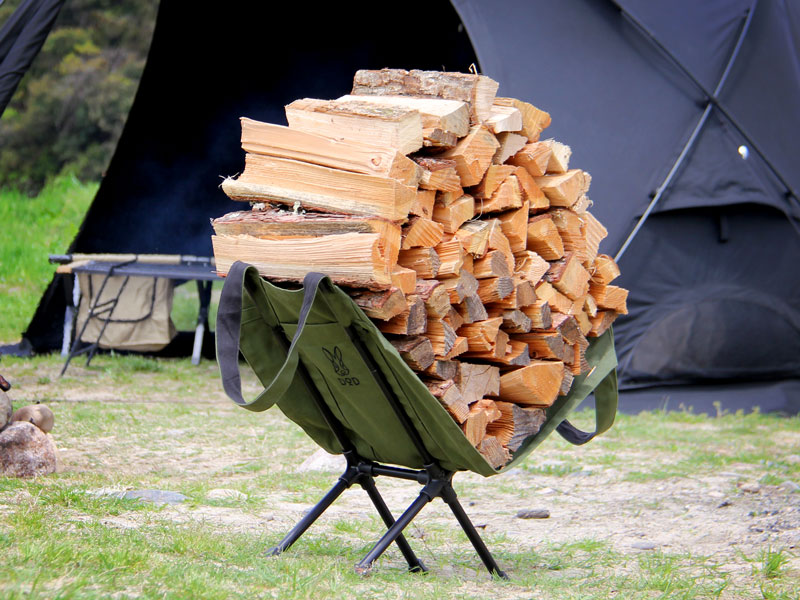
(711, 101)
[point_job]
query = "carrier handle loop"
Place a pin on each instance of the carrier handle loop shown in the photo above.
(606, 398)
(228, 328)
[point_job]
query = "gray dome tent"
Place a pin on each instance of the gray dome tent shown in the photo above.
(685, 113)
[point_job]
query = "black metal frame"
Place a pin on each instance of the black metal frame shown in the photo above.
(436, 481)
(135, 268)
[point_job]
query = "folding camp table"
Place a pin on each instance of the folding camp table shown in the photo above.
(172, 267)
(331, 371)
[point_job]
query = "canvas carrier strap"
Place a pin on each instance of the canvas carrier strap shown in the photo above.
(229, 320)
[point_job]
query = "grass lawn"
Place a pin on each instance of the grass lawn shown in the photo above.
(33, 229)
(670, 505)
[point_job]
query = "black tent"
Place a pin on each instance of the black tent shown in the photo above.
(685, 113)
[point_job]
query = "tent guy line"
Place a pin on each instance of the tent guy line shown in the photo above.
(711, 101)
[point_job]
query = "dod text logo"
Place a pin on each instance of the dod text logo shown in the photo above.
(339, 367)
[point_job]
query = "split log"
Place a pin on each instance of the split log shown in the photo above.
(569, 277)
(473, 154)
(442, 336)
(533, 157)
(474, 237)
(313, 187)
(533, 119)
(472, 309)
(504, 119)
(474, 426)
(455, 214)
(283, 142)
(454, 318)
(424, 261)
(435, 297)
(493, 289)
(360, 122)
(564, 189)
(595, 233)
(448, 394)
(543, 238)
(557, 301)
(610, 297)
(442, 369)
(537, 384)
(539, 314)
(514, 319)
(516, 424)
(514, 225)
(350, 259)
(433, 137)
(530, 266)
(417, 351)
(604, 269)
(459, 347)
(460, 287)
(602, 322)
(510, 144)
(478, 91)
(404, 279)
(566, 383)
(436, 113)
(438, 174)
(476, 381)
(451, 257)
(493, 264)
(412, 321)
(494, 176)
(571, 229)
(481, 335)
(420, 232)
(423, 204)
(381, 305)
(507, 196)
(275, 224)
(522, 296)
(493, 451)
(544, 344)
(559, 157)
(531, 192)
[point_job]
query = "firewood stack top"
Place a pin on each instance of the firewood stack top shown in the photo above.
(463, 235)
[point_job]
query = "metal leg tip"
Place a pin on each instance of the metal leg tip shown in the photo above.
(418, 568)
(363, 570)
(274, 551)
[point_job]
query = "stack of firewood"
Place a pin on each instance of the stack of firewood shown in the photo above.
(465, 237)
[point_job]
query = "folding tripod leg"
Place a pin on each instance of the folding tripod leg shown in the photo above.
(365, 565)
(449, 496)
(311, 516)
(415, 565)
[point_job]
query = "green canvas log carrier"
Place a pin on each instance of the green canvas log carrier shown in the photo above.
(331, 371)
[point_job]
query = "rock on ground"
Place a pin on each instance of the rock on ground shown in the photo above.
(26, 451)
(5, 409)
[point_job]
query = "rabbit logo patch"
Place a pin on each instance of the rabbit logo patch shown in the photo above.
(337, 362)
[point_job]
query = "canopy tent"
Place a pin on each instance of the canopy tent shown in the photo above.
(685, 112)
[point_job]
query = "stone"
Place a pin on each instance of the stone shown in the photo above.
(225, 494)
(38, 414)
(26, 451)
(790, 486)
(322, 461)
(750, 487)
(536, 513)
(644, 545)
(6, 409)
